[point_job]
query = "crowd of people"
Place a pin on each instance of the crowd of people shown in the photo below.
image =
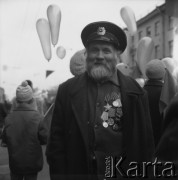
(101, 123)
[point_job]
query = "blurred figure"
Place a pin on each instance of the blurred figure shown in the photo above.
(4, 108)
(37, 99)
(49, 106)
(161, 89)
(78, 63)
(167, 148)
(24, 133)
(155, 72)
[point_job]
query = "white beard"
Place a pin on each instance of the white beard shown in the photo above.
(100, 73)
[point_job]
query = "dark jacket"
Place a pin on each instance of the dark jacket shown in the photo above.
(67, 149)
(4, 110)
(167, 148)
(153, 88)
(23, 133)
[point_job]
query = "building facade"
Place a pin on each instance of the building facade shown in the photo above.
(160, 27)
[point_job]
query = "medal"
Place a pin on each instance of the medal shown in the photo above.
(119, 103)
(104, 116)
(115, 103)
(107, 107)
(111, 112)
(115, 127)
(110, 121)
(118, 119)
(119, 112)
(105, 124)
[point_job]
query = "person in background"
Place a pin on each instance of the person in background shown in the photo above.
(99, 114)
(161, 89)
(5, 107)
(37, 96)
(24, 133)
(167, 148)
(155, 72)
(37, 99)
(78, 63)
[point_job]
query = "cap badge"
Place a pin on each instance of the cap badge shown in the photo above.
(101, 31)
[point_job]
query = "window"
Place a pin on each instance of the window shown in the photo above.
(139, 35)
(148, 31)
(157, 50)
(157, 28)
(170, 22)
(170, 45)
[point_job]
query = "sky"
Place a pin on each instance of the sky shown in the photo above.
(21, 55)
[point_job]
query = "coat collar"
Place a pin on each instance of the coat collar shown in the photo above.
(128, 85)
(26, 107)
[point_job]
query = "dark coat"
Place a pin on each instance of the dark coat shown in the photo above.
(153, 88)
(167, 148)
(24, 133)
(67, 149)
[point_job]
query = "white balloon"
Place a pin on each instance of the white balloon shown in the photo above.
(169, 63)
(54, 18)
(124, 68)
(43, 31)
(140, 81)
(128, 17)
(61, 52)
(144, 53)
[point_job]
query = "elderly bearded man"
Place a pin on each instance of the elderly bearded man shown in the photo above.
(100, 114)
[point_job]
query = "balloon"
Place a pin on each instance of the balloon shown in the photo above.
(61, 52)
(43, 31)
(124, 68)
(144, 53)
(140, 81)
(78, 63)
(128, 17)
(169, 63)
(54, 18)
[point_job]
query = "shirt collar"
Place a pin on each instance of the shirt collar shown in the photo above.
(114, 79)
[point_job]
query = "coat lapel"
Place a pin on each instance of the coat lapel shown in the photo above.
(79, 103)
(129, 97)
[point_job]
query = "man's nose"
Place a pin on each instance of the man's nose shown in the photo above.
(100, 55)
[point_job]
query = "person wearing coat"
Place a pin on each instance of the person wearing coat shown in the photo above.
(155, 72)
(161, 89)
(24, 133)
(100, 116)
(167, 148)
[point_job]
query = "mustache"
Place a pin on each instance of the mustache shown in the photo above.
(100, 71)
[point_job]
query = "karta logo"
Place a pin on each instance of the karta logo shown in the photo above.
(156, 169)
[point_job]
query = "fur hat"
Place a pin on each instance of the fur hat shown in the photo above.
(77, 63)
(24, 92)
(155, 69)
